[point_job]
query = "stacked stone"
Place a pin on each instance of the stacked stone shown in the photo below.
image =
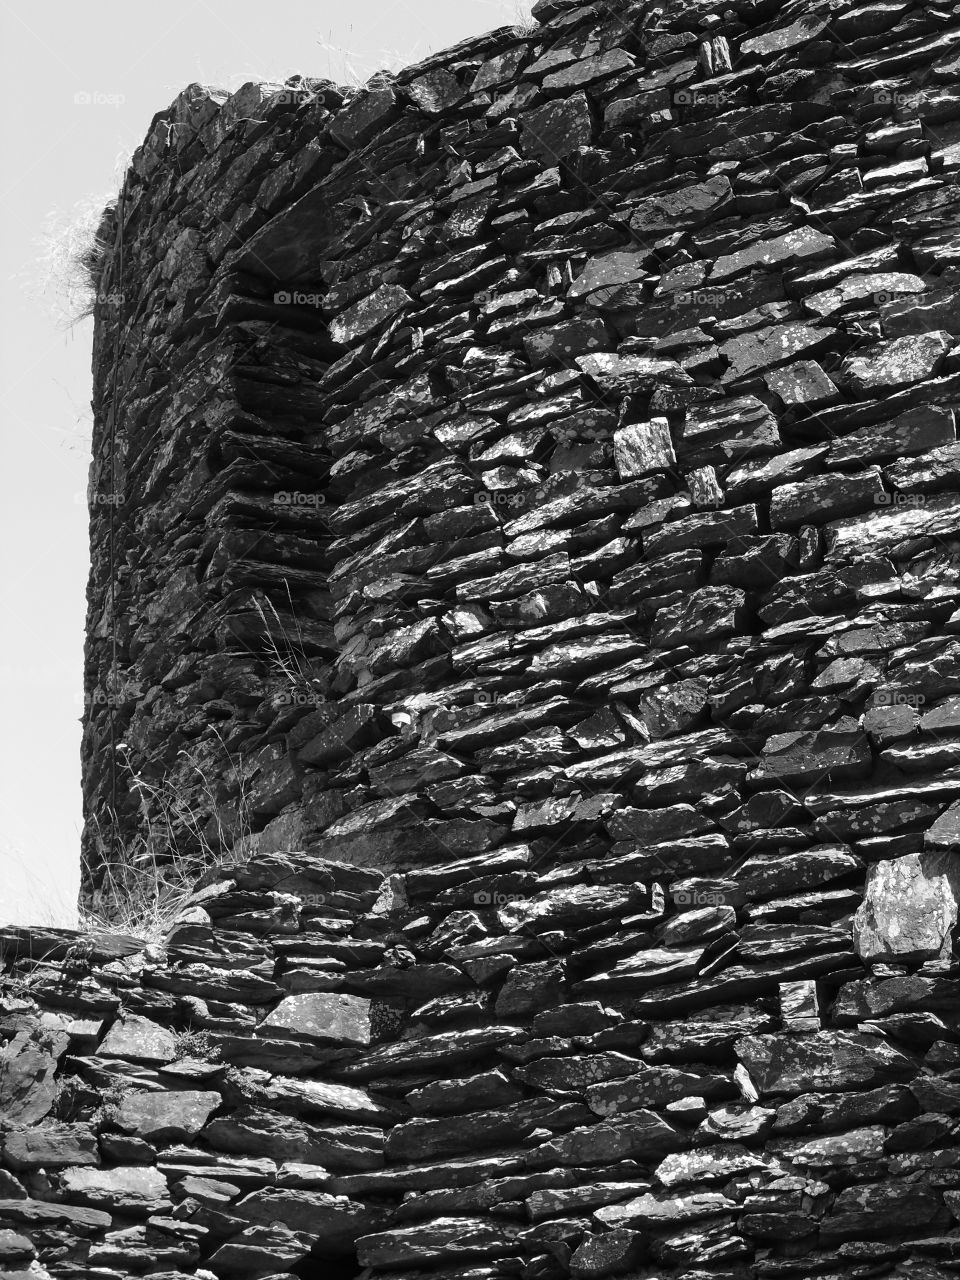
(479, 1069)
(541, 506)
(594, 408)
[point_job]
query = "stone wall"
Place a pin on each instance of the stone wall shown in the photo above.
(601, 370)
(532, 501)
(325, 1070)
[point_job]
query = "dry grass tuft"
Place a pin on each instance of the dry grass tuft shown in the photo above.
(149, 883)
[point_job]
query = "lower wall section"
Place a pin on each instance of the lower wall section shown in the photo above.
(479, 1070)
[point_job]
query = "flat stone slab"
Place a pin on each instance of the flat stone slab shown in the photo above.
(329, 1018)
(909, 909)
(174, 1117)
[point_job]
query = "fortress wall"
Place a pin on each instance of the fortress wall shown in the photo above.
(531, 606)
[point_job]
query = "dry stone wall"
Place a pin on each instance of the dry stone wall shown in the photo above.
(526, 561)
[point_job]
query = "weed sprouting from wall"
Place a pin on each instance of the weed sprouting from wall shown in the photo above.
(145, 885)
(285, 653)
(74, 248)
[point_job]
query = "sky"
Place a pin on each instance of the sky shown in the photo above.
(82, 83)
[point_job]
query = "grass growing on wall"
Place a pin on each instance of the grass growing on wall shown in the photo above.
(148, 882)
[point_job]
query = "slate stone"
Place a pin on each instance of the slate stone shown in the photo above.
(881, 1209)
(656, 1211)
(481, 1092)
(606, 272)
(824, 498)
(909, 909)
(16, 1248)
(828, 1060)
(564, 342)
(770, 346)
(368, 314)
(40, 1214)
(529, 989)
(701, 619)
(764, 875)
(364, 117)
(612, 1253)
(895, 363)
(782, 39)
(840, 751)
(136, 1191)
(643, 1134)
(916, 431)
(49, 1147)
(653, 1088)
(28, 1086)
(551, 132)
(175, 1116)
(441, 1240)
(258, 1132)
(328, 1019)
(138, 1040)
(802, 383)
(643, 448)
(332, 1223)
(807, 244)
(869, 287)
(691, 206)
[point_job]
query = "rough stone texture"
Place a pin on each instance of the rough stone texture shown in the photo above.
(909, 910)
(535, 508)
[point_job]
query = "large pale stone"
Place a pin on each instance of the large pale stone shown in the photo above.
(333, 1018)
(139, 1040)
(910, 907)
(133, 1190)
(644, 447)
(173, 1117)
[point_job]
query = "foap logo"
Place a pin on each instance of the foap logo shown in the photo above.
(899, 500)
(699, 898)
(291, 97)
(698, 298)
(491, 899)
(483, 698)
(312, 899)
(109, 299)
(885, 297)
(697, 98)
(894, 698)
(301, 698)
(286, 499)
(498, 498)
(296, 298)
(113, 695)
(97, 98)
(896, 98)
(98, 499)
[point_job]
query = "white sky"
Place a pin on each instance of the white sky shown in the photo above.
(59, 161)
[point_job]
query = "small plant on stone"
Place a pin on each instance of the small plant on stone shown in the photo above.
(111, 1099)
(524, 22)
(197, 1046)
(286, 655)
(75, 248)
(148, 883)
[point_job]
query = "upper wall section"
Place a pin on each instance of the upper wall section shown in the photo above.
(555, 443)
